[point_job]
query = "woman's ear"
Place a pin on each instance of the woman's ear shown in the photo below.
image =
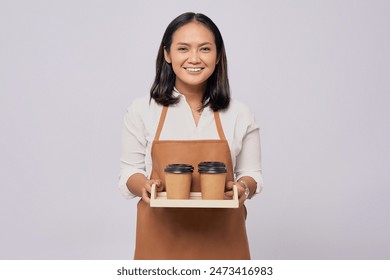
(167, 56)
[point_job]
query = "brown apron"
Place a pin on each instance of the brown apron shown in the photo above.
(190, 233)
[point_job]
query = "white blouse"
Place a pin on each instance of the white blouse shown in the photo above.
(140, 124)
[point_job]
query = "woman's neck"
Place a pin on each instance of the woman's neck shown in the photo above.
(193, 94)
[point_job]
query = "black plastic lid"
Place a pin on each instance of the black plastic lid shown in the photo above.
(179, 168)
(212, 169)
(211, 164)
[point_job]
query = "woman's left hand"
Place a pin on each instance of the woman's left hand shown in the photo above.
(240, 191)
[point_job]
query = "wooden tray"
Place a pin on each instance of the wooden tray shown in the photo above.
(159, 199)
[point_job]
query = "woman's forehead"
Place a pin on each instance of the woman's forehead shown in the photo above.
(193, 32)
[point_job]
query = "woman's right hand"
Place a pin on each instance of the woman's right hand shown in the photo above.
(147, 189)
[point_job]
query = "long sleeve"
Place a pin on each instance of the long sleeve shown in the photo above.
(248, 160)
(133, 148)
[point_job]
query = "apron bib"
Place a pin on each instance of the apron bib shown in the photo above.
(190, 233)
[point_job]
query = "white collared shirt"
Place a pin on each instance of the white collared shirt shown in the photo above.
(140, 124)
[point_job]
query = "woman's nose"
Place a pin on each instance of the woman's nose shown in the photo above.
(194, 57)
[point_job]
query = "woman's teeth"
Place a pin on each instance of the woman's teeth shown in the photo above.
(193, 69)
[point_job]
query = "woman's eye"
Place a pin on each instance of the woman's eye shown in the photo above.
(182, 49)
(205, 49)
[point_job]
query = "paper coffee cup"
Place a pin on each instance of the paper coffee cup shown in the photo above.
(178, 180)
(212, 179)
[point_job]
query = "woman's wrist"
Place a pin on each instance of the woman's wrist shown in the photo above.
(136, 183)
(246, 188)
(249, 185)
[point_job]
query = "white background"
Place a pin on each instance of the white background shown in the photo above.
(316, 74)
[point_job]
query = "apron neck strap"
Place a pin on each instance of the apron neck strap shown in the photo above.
(161, 123)
(164, 114)
(219, 126)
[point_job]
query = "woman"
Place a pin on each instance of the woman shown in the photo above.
(189, 117)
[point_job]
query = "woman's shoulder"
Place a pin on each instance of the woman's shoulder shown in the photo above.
(238, 105)
(143, 111)
(238, 109)
(142, 105)
(139, 103)
(240, 114)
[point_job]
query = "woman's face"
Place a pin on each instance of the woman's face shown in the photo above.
(193, 55)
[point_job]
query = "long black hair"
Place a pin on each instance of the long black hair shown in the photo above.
(217, 94)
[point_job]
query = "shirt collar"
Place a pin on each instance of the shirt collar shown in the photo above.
(176, 93)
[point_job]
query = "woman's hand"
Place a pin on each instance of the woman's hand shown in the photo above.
(240, 191)
(147, 189)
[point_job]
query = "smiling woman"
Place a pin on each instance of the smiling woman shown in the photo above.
(193, 56)
(202, 124)
(192, 42)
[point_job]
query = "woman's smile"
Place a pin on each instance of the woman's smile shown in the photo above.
(193, 70)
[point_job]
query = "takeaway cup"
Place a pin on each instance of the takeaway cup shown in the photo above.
(212, 179)
(178, 180)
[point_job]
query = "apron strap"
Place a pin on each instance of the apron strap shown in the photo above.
(161, 123)
(219, 126)
(164, 114)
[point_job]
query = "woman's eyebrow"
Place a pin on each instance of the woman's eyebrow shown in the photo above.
(188, 44)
